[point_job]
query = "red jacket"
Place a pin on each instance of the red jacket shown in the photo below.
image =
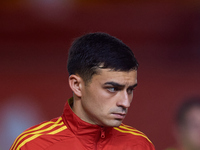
(69, 132)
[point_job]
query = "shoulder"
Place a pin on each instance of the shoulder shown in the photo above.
(133, 136)
(131, 132)
(39, 135)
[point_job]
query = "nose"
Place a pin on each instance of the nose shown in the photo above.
(124, 100)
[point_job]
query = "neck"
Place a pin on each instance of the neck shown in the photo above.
(78, 109)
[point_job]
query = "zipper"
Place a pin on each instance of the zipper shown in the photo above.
(101, 138)
(103, 133)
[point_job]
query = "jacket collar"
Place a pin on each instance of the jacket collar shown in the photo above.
(80, 127)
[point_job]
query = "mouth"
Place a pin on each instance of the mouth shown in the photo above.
(119, 116)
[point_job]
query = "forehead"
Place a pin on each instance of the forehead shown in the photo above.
(124, 77)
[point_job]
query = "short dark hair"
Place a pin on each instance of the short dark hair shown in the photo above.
(99, 50)
(185, 107)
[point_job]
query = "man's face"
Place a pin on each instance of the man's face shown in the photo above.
(106, 98)
(191, 130)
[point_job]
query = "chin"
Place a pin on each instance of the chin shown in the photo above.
(115, 123)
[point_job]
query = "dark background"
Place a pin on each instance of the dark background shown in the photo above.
(35, 36)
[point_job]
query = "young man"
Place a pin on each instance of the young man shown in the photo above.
(187, 119)
(103, 75)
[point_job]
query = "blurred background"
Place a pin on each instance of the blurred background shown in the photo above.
(35, 36)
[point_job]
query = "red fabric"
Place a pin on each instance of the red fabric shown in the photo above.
(70, 132)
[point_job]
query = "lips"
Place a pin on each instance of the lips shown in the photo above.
(119, 116)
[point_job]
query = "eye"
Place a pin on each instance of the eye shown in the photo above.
(112, 89)
(130, 90)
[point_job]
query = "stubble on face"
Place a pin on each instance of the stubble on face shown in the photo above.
(100, 102)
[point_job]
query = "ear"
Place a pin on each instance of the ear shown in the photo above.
(75, 83)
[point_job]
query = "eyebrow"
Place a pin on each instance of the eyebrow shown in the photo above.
(119, 85)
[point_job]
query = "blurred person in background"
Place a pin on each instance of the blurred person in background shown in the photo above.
(102, 75)
(187, 125)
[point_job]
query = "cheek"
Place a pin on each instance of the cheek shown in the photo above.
(93, 100)
(99, 99)
(131, 97)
